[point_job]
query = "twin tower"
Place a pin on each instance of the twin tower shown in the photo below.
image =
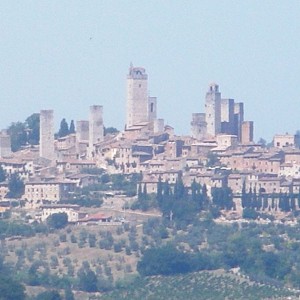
(88, 132)
(222, 116)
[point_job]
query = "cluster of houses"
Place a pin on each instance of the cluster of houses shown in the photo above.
(218, 162)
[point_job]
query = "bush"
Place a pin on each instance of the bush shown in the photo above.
(57, 221)
(249, 213)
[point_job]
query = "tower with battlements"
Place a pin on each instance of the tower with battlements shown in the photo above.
(140, 108)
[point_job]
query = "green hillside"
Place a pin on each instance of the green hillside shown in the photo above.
(200, 285)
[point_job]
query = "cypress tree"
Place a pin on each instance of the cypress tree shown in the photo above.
(72, 127)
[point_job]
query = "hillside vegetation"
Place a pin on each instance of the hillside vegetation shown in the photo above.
(199, 285)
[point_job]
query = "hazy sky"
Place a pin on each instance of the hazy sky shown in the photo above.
(68, 55)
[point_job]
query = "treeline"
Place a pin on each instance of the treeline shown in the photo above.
(276, 201)
(226, 249)
(178, 202)
(167, 260)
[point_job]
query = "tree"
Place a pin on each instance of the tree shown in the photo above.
(11, 289)
(262, 142)
(18, 135)
(159, 194)
(32, 124)
(57, 221)
(110, 130)
(87, 279)
(64, 128)
(16, 186)
(212, 159)
(2, 174)
(166, 260)
(69, 293)
(72, 127)
(49, 295)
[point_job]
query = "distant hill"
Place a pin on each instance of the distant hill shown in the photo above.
(200, 285)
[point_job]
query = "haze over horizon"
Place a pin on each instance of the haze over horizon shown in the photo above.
(67, 56)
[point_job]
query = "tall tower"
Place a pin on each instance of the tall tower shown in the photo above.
(199, 126)
(96, 130)
(238, 119)
(47, 134)
(137, 97)
(5, 144)
(213, 110)
(247, 132)
(227, 116)
(152, 108)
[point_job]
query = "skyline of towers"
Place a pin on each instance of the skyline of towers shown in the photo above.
(222, 116)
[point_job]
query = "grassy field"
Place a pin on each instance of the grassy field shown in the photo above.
(201, 285)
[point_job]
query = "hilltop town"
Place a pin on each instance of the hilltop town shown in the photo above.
(220, 153)
(91, 209)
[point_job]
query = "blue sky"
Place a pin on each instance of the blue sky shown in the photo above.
(68, 55)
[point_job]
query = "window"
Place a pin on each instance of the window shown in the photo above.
(151, 107)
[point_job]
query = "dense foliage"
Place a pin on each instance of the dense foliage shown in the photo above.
(16, 186)
(10, 288)
(57, 220)
(25, 133)
(198, 286)
(64, 129)
(167, 260)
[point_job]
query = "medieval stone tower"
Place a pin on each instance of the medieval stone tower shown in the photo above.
(5, 144)
(96, 129)
(227, 116)
(213, 110)
(199, 126)
(152, 102)
(137, 97)
(238, 119)
(47, 134)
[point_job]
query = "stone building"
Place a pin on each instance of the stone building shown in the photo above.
(72, 211)
(227, 116)
(238, 118)
(137, 96)
(53, 191)
(213, 110)
(47, 134)
(152, 104)
(284, 140)
(158, 125)
(82, 131)
(140, 107)
(247, 132)
(96, 128)
(199, 126)
(5, 144)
